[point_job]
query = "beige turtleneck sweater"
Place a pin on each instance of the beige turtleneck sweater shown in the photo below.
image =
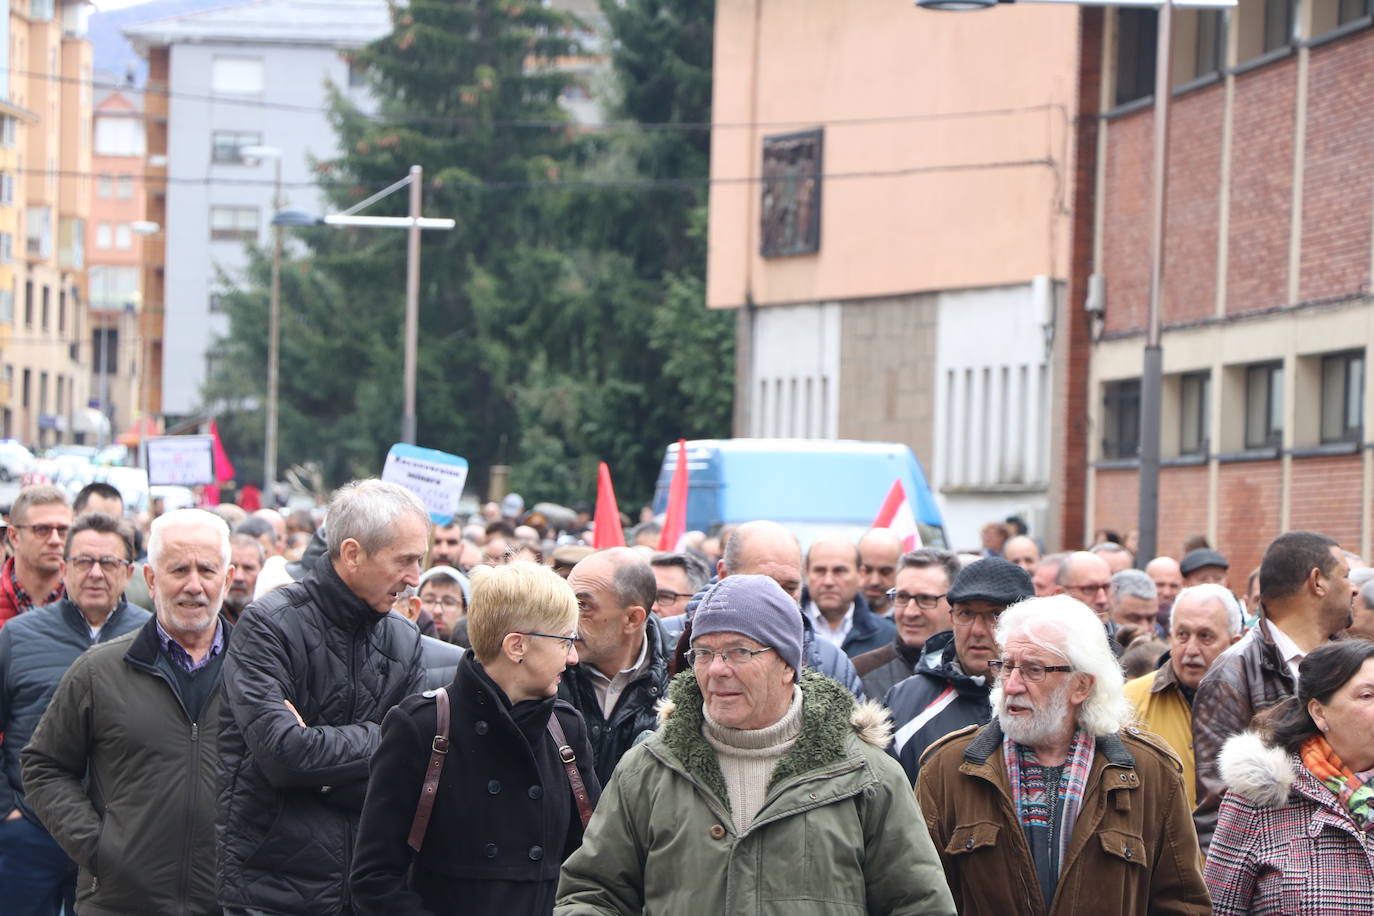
(748, 756)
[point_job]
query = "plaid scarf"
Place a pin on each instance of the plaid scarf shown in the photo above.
(1351, 788)
(1027, 778)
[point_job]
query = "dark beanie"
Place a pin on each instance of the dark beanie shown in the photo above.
(756, 607)
(993, 580)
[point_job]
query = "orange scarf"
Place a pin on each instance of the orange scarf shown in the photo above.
(1324, 764)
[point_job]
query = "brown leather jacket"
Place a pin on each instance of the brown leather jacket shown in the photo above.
(1243, 681)
(1132, 851)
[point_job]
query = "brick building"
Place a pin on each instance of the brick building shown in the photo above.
(1267, 311)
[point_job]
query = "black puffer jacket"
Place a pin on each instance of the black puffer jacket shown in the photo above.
(290, 797)
(938, 699)
(635, 712)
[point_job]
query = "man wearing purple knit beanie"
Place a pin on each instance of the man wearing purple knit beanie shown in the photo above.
(766, 787)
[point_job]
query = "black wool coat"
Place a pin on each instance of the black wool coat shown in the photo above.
(504, 817)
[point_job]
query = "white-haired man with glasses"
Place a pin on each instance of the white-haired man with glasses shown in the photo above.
(1057, 806)
(950, 689)
(766, 788)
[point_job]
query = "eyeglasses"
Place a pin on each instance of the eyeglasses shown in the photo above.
(670, 597)
(1001, 668)
(924, 602)
(45, 531)
(963, 617)
(108, 564)
(566, 640)
(1090, 589)
(449, 602)
(731, 655)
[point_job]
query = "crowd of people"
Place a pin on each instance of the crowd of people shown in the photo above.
(358, 711)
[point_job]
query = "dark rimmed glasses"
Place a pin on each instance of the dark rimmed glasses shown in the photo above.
(1031, 672)
(566, 640)
(731, 655)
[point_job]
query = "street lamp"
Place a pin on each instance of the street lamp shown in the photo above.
(1152, 372)
(269, 458)
(414, 222)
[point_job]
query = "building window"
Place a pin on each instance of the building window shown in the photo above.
(105, 346)
(1264, 405)
(9, 131)
(26, 384)
(123, 236)
(1350, 10)
(1121, 419)
(28, 303)
(1211, 43)
(1135, 54)
(112, 288)
(232, 75)
(47, 306)
(1194, 412)
(103, 238)
(41, 9)
(7, 309)
(233, 223)
(1343, 397)
(357, 74)
(104, 187)
(124, 189)
(1278, 24)
(226, 145)
(122, 136)
(61, 311)
(6, 187)
(791, 211)
(38, 223)
(6, 248)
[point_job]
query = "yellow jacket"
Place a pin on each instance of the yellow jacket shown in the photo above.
(1162, 709)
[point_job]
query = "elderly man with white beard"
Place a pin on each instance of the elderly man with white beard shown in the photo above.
(1098, 819)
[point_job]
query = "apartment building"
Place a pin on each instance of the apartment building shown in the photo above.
(1267, 310)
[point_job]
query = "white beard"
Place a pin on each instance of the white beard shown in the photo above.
(1042, 724)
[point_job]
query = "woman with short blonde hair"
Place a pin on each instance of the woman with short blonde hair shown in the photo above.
(504, 817)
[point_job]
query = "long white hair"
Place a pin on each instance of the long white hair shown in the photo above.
(1067, 626)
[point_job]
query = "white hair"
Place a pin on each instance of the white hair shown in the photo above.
(186, 518)
(1135, 584)
(1235, 620)
(1065, 625)
(367, 511)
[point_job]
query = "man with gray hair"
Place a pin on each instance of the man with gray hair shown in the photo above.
(679, 577)
(1098, 819)
(1134, 602)
(119, 767)
(1204, 622)
(920, 610)
(314, 667)
(623, 653)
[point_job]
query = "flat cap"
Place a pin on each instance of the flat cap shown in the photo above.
(994, 580)
(1194, 560)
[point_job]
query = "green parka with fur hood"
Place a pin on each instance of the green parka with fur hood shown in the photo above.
(840, 831)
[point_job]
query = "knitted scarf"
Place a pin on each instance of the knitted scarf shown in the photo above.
(1351, 788)
(1028, 794)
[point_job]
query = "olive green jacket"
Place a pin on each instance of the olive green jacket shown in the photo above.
(840, 831)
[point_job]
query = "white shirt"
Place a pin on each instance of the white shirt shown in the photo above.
(1288, 650)
(822, 626)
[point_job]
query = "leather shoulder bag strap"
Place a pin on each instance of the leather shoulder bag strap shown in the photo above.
(438, 753)
(569, 758)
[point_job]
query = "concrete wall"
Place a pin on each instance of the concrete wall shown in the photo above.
(294, 76)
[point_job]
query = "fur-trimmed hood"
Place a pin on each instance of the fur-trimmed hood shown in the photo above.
(829, 717)
(1262, 773)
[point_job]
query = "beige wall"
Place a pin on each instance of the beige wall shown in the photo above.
(789, 65)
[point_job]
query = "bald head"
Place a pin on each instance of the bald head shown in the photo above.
(763, 548)
(832, 575)
(1087, 577)
(1022, 551)
(1168, 579)
(879, 551)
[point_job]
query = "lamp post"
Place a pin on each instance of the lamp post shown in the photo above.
(269, 457)
(414, 223)
(1152, 370)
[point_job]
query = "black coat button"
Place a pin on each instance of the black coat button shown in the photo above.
(480, 727)
(536, 791)
(491, 850)
(494, 787)
(536, 853)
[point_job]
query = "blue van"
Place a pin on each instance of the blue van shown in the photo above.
(812, 486)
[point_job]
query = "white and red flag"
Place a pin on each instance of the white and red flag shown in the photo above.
(896, 515)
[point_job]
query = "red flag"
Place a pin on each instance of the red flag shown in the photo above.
(608, 531)
(897, 516)
(224, 469)
(675, 523)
